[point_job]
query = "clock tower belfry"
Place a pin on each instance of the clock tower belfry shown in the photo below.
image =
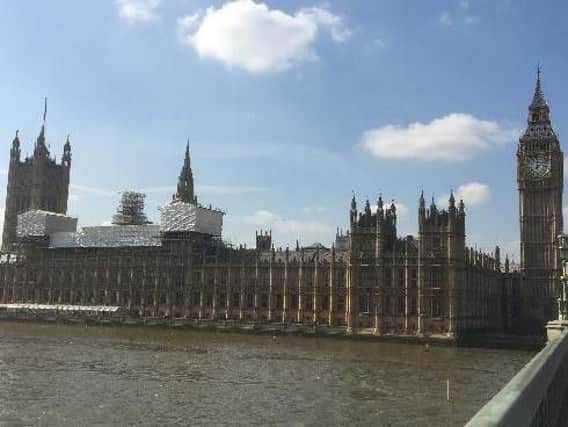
(540, 180)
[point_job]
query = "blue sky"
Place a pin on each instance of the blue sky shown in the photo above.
(289, 106)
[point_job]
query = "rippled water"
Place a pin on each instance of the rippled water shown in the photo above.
(72, 375)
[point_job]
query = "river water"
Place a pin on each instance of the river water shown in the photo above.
(72, 376)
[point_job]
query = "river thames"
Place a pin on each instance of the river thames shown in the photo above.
(65, 375)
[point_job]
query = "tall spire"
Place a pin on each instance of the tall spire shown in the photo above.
(185, 192)
(538, 123)
(538, 97)
(40, 149)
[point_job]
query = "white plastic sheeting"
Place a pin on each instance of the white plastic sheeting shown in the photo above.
(38, 223)
(59, 307)
(183, 217)
(112, 236)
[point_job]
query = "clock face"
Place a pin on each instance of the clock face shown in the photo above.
(538, 166)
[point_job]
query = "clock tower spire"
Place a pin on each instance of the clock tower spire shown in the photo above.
(540, 180)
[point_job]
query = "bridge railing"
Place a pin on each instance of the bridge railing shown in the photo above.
(536, 396)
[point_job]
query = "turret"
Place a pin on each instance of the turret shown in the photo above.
(15, 150)
(452, 201)
(380, 210)
(353, 211)
(497, 258)
(263, 240)
(66, 159)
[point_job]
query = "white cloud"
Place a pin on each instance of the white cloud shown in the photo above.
(252, 36)
(289, 229)
(314, 209)
(379, 43)
(218, 190)
(446, 19)
(473, 194)
(453, 137)
(138, 10)
(401, 209)
(77, 188)
(471, 19)
(565, 215)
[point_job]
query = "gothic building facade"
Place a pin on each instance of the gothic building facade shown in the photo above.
(370, 279)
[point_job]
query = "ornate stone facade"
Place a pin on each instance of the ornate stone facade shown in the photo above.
(37, 183)
(540, 179)
(369, 280)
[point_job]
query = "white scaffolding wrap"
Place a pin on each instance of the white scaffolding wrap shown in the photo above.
(184, 217)
(37, 223)
(112, 236)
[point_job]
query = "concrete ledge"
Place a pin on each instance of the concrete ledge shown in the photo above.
(554, 329)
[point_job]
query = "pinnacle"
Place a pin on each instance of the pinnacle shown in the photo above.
(538, 97)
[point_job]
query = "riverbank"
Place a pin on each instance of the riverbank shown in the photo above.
(116, 319)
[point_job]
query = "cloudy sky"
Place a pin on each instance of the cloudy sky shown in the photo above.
(289, 106)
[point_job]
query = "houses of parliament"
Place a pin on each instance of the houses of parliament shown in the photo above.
(370, 279)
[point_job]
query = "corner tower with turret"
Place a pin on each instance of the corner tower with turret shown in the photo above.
(36, 183)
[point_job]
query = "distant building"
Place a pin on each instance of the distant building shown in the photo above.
(370, 278)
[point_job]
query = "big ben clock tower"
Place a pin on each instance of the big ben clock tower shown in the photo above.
(540, 181)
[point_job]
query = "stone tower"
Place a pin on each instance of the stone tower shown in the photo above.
(540, 181)
(372, 234)
(441, 253)
(263, 240)
(185, 191)
(38, 182)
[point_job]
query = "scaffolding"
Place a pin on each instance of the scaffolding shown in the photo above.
(131, 209)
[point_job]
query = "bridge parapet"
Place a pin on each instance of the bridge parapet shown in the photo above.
(536, 396)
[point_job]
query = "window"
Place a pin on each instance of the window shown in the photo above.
(388, 277)
(401, 304)
(364, 304)
(250, 300)
(325, 302)
(294, 301)
(341, 303)
(264, 301)
(413, 306)
(436, 309)
(236, 300)
(279, 302)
